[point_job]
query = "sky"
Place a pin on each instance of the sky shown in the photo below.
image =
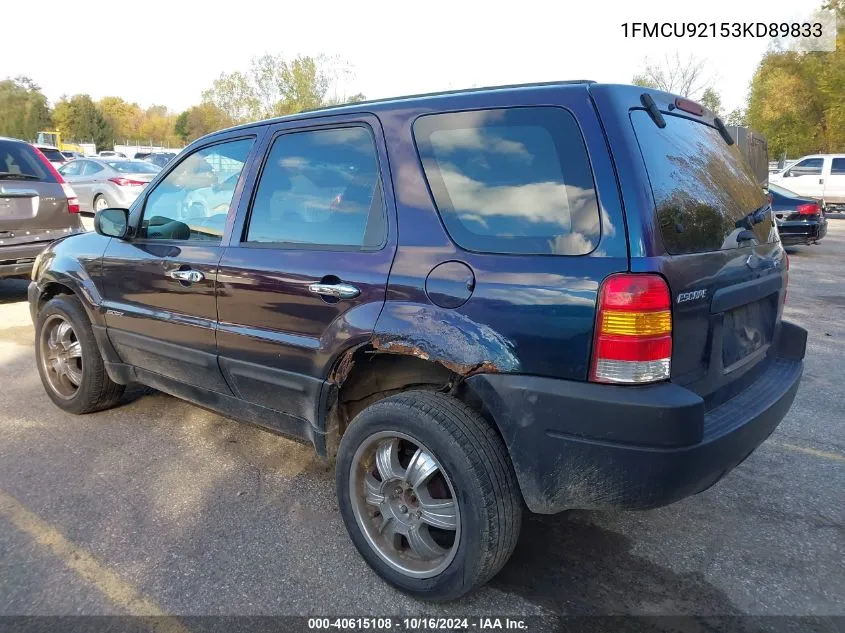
(167, 53)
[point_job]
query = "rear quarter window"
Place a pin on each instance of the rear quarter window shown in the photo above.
(514, 180)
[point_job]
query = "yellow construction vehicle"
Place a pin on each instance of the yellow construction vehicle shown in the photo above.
(54, 138)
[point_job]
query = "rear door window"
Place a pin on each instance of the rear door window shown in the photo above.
(320, 188)
(705, 193)
(515, 180)
(90, 168)
(838, 167)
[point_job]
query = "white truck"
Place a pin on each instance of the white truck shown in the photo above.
(820, 176)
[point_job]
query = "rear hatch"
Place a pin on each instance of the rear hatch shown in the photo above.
(33, 205)
(711, 233)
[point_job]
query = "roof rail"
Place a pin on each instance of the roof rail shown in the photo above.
(443, 93)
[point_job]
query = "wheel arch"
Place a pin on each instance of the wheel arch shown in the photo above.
(366, 374)
(52, 283)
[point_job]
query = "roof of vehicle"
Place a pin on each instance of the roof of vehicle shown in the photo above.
(819, 156)
(13, 140)
(400, 100)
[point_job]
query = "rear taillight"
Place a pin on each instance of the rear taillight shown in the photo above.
(633, 337)
(72, 200)
(127, 182)
(808, 209)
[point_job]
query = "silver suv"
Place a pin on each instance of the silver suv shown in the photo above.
(36, 206)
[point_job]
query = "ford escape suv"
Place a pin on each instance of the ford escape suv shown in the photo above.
(36, 206)
(547, 296)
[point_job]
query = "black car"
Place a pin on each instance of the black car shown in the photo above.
(471, 303)
(800, 220)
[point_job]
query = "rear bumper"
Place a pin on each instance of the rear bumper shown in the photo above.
(802, 232)
(583, 445)
(17, 260)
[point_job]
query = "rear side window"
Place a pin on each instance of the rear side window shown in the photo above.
(705, 192)
(19, 161)
(838, 167)
(513, 180)
(320, 188)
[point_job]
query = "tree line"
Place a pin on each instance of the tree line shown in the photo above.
(271, 86)
(796, 99)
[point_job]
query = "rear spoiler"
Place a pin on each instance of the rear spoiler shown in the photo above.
(687, 106)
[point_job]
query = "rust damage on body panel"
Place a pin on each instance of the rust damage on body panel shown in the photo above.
(462, 369)
(446, 337)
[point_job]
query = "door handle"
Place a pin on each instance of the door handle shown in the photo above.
(340, 291)
(821, 181)
(191, 276)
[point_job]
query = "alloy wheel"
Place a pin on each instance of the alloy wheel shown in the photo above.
(405, 505)
(61, 356)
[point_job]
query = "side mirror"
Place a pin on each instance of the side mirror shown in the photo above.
(112, 223)
(787, 174)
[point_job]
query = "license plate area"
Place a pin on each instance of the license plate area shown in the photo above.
(747, 329)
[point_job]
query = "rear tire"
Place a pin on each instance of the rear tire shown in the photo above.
(100, 202)
(68, 358)
(479, 509)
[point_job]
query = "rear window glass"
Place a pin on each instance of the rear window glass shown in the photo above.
(838, 167)
(133, 166)
(511, 180)
(52, 154)
(705, 192)
(20, 160)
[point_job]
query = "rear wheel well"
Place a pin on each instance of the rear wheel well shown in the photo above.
(367, 376)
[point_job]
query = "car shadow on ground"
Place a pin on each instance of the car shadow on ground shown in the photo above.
(570, 565)
(13, 290)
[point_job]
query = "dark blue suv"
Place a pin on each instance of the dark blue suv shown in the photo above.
(550, 296)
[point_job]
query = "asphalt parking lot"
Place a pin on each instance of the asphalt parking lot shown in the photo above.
(158, 506)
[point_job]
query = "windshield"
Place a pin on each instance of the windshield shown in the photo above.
(133, 166)
(704, 191)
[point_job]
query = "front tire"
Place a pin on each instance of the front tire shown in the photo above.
(69, 361)
(428, 494)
